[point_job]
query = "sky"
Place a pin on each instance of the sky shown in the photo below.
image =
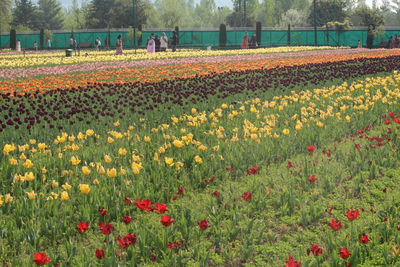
(67, 3)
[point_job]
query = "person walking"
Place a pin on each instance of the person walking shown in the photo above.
(118, 45)
(245, 42)
(253, 41)
(35, 46)
(18, 46)
(71, 42)
(151, 45)
(174, 42)
(48, 44)
(157, 42)
(164, 42)
(98, 44)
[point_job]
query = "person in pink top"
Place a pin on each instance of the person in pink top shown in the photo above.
(245, 42)
(151, 45)
(118, 45)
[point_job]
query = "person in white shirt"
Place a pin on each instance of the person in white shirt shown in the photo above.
(164, 42)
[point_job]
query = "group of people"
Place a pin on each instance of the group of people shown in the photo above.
(394, 42)
(252, 44)
(157, 44)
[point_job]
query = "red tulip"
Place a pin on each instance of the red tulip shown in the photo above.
(289, 164)
(247, 196)
(127, 240)
(387, 122)
(216, 194)
(335, 224)
(127, 219)
(364, 238)
(311, 179)
(166, 221)
(352, 214)
(82, 227)
(203, 224)
(100, 253)
(310, 149)
(253, 170)
(316, 250)
(106, 228)
(181, 190)
(128, 201)
(161, 208)
(144, 204)
(103, 211)
(40, 258)
(291, 262)
(344, 253)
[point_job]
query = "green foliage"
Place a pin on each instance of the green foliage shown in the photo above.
(5, 14)
(50, 15)
(327, 11)
(25, 14)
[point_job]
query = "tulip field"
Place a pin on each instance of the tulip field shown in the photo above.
(267, 157)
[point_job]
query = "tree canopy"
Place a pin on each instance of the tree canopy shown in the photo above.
(84, 14)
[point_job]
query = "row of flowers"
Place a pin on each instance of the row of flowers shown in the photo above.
(65, 109)
(153, 71)
(57, 58)
(97, 66)
(202, 151)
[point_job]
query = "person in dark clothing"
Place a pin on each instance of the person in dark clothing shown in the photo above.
(174, 41)
(391, 42)
(253, 41)
(158, 43)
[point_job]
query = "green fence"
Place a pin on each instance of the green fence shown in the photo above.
(197, 38)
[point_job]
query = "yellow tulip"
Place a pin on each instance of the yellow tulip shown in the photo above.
(31, 195)
(198, 159)
(112, 173)
(169, 161)
(64, 196)
(28, 164)
(107, 159)
(66, 186)
(75, 160)
(84, 188)
(85, 170)
(136, 167)
(122, 151)
(178, 143)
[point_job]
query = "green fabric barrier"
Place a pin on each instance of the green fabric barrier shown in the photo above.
(202, 39)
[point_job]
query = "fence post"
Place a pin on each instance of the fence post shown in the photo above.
(41, 38)
(258, 33)
(222, 35)
(13, 39)
(177, 34)
(288, 35)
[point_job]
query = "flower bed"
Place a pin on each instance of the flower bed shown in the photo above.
(254, 166)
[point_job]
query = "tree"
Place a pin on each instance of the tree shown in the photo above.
(99, 13)
(373, 19)
(122, 13)
(74, 17)
(293, 17)
(326, 11)
(5, 14)
(204, 13)
(174, 12)
(50, 15)
(25, 15)
(245, 13)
